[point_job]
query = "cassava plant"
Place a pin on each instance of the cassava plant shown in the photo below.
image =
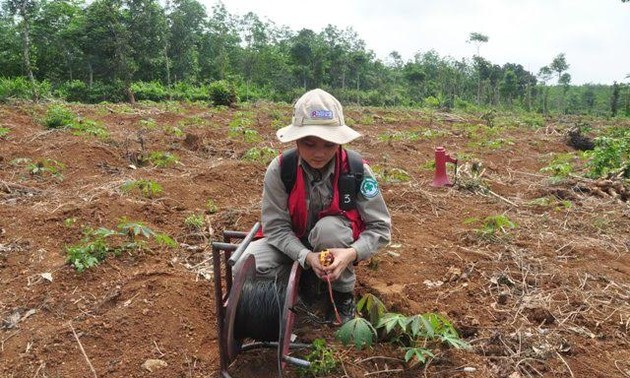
(416, 335)
(147, 188)
(97, 244)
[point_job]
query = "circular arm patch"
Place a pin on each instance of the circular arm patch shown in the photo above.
(369, 187)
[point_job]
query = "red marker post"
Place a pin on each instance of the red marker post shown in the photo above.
(441, 158)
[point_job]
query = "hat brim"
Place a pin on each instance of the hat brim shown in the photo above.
(335, 134)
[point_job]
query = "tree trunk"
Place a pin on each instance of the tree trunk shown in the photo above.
(168, 71)
(26, 46)
(358, 99)
(478, 91)
(69, 64)
(90, 73)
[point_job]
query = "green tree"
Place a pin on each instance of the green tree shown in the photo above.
(478, 39)
(187, 20)
(614, 99)
(57, 36)
(303, 56)
(559, 65)
(10, 50)
(589, 98)
(544, 75)
(509, 86)
(25, 10)
(106, 45)
(147, 28)
(220, 45)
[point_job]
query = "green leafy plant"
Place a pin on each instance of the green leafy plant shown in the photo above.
(223, 92)
(174, 130)
(194, 121)
(260, 154)
(89, 127)
(46, 167)
(560, 166)
(240, 127)
(551, 202)
(611, 155)
(4, 131)
(148, 123)
(414, 334)
(162, 159)
(389, 136)
(147, 188)
(194, 221)
(97, 245)
(322, 360)
(59, 116)
(69, 222)
(358, 331)
(391, 175)
(211, 206)
(493, 227)
(371, 307)
(91, 251)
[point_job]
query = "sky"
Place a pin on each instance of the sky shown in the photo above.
(594, 35)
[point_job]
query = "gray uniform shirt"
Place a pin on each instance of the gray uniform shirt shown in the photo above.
(276, 219)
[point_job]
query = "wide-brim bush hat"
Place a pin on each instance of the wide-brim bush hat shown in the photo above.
(317, 113)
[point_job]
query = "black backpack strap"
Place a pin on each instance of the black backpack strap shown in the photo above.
(355, 163)
(288, 168)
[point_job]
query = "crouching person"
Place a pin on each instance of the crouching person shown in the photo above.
(320, 196)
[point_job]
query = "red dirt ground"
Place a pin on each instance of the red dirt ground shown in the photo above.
(549, 298)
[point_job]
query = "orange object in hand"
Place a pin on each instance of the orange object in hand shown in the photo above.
(326, 258)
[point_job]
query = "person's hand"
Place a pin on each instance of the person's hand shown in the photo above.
(312, 259)
(343, 258)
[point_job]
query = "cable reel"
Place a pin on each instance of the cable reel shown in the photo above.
(232, 294)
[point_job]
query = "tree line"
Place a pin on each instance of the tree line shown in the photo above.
(123, 50)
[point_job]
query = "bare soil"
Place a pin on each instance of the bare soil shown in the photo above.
(549, 297)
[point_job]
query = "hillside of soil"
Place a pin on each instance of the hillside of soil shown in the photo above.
(546, 295)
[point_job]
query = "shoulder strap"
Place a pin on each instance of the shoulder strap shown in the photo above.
(355, 162)
(288, 168)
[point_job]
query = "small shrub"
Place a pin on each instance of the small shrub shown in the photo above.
(322, 360)
(431, 102)
(414, 334)
(91, 251)
(148, 123)
(97, 245)
(147, 188)
(260, 154)
(59, 116)
(493, 227)
(611, 155)
(4, 131)
(73, 91)
(560, 166)
(46, 167)
(223, 93)
(69, 222)
(162, 159)
(17, 87)
(89, 127)
(152, 91)
(391, 175)
(211, 206)
(194, 222)
(174, 130)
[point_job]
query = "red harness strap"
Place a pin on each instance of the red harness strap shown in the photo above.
(297, 201)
